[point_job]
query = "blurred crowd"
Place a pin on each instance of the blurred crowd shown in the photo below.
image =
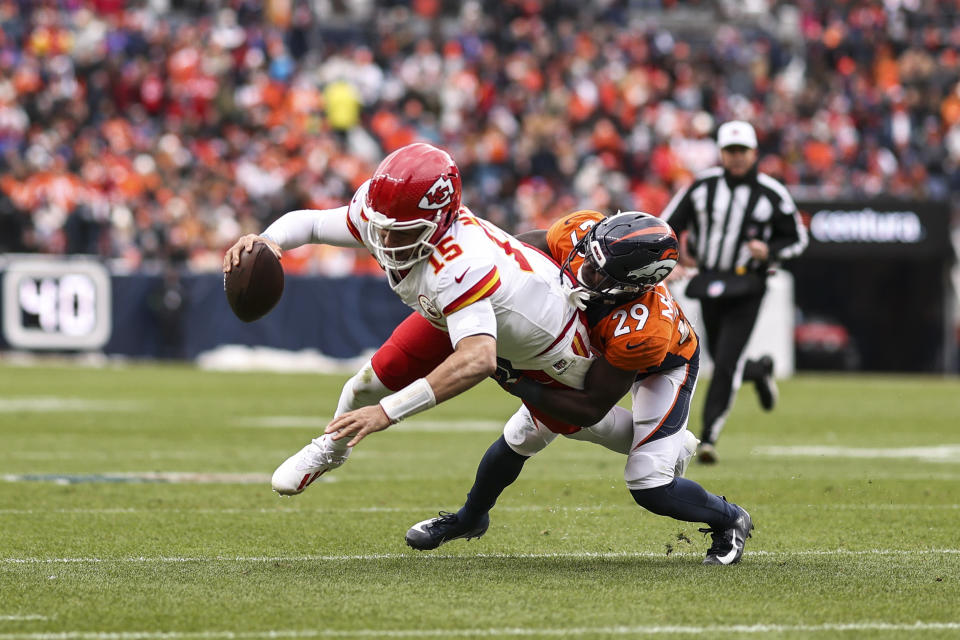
(160, 131)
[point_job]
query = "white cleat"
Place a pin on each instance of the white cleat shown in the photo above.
(299, 470)
(687, 452)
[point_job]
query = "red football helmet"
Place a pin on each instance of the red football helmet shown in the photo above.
(415, 188)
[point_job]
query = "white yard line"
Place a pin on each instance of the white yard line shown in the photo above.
(49, 404)
(915, 627)
(466, 475)
(319, 422)
(164, 477)
(938, 453)
(428, 509)
(421, 556)
(88, 456)
(205, 510)
(21, 618)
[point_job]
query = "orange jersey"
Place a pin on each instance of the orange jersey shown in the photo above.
(646, 334)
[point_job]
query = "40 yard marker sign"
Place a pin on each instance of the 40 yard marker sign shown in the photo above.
(61, 303)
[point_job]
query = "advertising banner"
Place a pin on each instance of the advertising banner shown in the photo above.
(873, 290)
(887, 228)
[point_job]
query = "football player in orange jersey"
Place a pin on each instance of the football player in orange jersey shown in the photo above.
(617, 266)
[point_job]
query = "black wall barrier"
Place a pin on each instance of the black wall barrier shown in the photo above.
(873, 292)
(876, 278)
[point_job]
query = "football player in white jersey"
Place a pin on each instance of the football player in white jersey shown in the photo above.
(478, 292)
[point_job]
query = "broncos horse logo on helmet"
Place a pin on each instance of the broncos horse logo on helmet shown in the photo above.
(624, 255)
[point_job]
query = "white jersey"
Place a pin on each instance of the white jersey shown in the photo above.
(536, 327)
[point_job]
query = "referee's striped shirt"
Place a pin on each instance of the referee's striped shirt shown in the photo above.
(722, 215)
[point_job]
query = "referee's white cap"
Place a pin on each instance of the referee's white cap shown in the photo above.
(736, 133)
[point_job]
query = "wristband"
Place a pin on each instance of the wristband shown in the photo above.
(413, 398)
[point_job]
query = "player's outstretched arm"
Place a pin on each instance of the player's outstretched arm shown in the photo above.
(314, 226)
(473, 359)
(295, 229)
(604, 385)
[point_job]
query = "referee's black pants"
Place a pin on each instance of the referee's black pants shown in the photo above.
(728, 323)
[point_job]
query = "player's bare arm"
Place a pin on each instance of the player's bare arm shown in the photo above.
(473, 359)
(232, 257)
(605, 384)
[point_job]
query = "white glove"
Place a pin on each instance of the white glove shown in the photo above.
(578, 296)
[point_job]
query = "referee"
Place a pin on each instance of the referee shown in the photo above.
(739, 222)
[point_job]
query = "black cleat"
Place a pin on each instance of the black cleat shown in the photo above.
(727, 547)
(766, 385)
(434, 532)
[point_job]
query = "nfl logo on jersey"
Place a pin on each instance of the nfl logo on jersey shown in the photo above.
(561, 365)
(715, 289)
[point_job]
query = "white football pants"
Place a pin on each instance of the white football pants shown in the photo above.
(650, 463)
(363, 389)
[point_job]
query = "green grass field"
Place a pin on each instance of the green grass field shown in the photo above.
(852, 484)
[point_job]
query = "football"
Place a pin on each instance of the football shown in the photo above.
(254, 286)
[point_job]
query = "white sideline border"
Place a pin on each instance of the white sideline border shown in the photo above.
(614, 555)
(917, 626)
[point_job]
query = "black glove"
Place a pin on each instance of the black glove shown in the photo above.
(505, 375)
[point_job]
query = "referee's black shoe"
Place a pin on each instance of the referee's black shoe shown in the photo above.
(766, 385)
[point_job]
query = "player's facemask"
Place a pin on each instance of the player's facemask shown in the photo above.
(592, 281)
(402, 256)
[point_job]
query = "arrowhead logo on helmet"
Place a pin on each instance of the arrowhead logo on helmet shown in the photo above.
(398, 199)
(439, 195)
